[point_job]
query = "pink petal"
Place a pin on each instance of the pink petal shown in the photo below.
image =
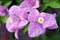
(14, 10)
(35, 30)
(49, 20)
(16, 34)
(3, 11)
(22, 23)
(30, 4)
(33, 15)
(25, 4)
(53, 27)
(36, 4)
(54, 14)
(11, 26)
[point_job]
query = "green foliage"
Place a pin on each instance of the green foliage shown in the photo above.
(12, 37)
(0, 2)
(3, 19)
(19, 1)
(52, 3)
(6, 2)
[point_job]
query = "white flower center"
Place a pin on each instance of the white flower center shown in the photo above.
(11, 19)
(40, 20)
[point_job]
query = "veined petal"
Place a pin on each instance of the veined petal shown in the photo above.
(35, 30)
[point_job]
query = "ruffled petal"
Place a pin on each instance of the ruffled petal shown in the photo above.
(35, 30)
(14, 10)
(33, 15)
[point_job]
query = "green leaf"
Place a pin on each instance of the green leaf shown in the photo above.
(0, 2)
(43, 7)
(41, 37)
(12, 37)
(3, 19)
(26, 28)
(52, 35)
(49, 10)
(52, 3)
(19, 1)
(7, 2)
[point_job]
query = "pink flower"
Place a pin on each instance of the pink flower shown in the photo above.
(40, 22)
(3, 11)
(17, 20)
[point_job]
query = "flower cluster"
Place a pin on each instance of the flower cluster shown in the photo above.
(26, 12)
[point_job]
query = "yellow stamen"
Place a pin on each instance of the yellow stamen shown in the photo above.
(40, 20)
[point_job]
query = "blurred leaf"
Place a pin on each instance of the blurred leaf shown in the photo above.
(52, 3)
(52, 35)
(26, 28)
(43, 7)
(0, 2)
(12, 37)
(41, 37)
(6, 2)
(19, 1)
(58, 20)
(49, 10)
(3, 19)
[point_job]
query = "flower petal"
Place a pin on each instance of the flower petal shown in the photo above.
(33, 15)
(11, 25)
(14, 10)
(3, 11)
(53, 27)
(49, 20)
(23, 23)
(36, 4)
(25, 4)
(30, 4)
(16, 34)
(35, 30)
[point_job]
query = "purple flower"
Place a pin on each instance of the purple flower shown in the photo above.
(30, 4)
(40, 22)
(3, 11)
(17, 20)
